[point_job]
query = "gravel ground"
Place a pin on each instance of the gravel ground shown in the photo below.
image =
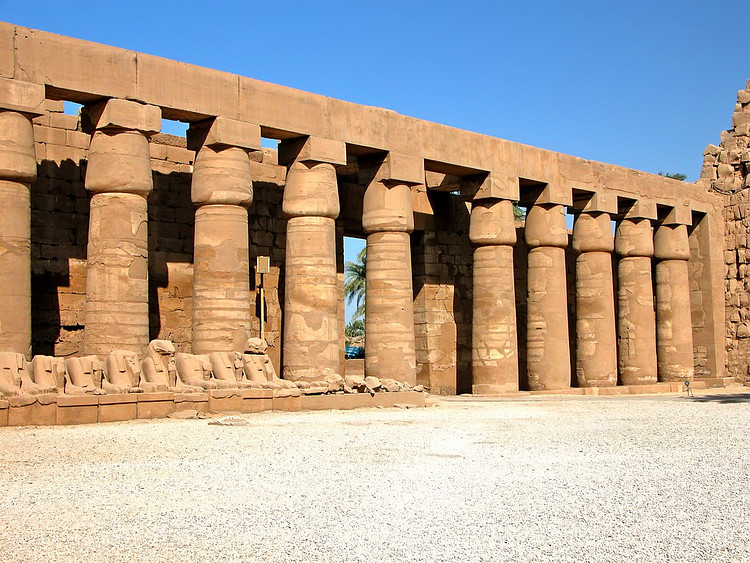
(534, 479)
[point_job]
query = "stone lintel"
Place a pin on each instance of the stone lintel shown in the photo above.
(122, 114)
(23, 97)
(311, 148)
(601, 202)
(679, 215)
(402, 168)
(497, 185)
(222, 131)
(642, 209)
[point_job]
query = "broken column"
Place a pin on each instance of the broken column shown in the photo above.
(596, 341)
(388, 219)
(548, 353)
(636, 332)
(493, 336)
(119, 178)
(19, 102)
(311, 301)
(221, 191)
(674, 327)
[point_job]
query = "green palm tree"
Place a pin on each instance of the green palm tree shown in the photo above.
(354, 283)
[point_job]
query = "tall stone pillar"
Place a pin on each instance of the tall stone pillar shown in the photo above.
(547, 345)
(19, 102)
(387, 219)
(221, 191)
(312, 342)
(636, 329)
(674, 327)
(596, 341)
(494, 339)
(119, 178)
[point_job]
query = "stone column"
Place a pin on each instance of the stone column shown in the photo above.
(548, 352)
(494, 340)
(596, 341)
(311, 300)
(387, 219)
(18, 103)
(119, 178)
(674, 327)
(636, 332)
(221, 190)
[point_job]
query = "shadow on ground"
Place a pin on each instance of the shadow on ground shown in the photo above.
(726, 399)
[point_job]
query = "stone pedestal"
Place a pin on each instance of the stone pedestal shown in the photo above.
(17, 171)
(389, 321)
(119, 177)
(311, 303)
(636, 333)
(222, 190)
(596, 341)
(548, 352)
(674, 327)
(494, 338)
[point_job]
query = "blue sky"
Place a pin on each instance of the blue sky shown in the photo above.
(640, 84)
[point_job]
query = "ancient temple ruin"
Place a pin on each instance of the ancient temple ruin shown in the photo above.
(127, 256)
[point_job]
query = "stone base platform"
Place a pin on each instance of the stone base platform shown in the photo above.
(649, 389)
(44, 410)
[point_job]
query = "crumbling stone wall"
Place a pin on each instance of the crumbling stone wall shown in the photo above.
(725, 170)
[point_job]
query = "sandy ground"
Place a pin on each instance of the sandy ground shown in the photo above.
(537, 479)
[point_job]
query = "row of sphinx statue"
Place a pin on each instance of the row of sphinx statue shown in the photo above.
(161, 369)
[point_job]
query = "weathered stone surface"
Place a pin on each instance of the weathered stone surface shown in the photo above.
(494, 339)
(548, 354)
(596, 343)
(223, 132)
(636, 321)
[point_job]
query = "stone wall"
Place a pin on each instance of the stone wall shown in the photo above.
(725, 170)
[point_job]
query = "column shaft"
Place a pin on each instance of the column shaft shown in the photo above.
(311, 297)
(17, 171)
(636, 329)
(311, 331)
(596, 340)
(119, 177)
(389, 305)
(390, 347)
(222, 190)
(674, 327)
(494, 338)
(547, 342)
(117, 274)
(221, 280)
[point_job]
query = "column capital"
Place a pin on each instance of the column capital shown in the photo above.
(222, 132)
(546, 226)
(222, 175)
(671, 242)
(592, 232)
(492, 223)
(312, 149)
(634, 237)
(117, 114)
(21, 97)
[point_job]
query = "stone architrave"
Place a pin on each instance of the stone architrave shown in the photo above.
(674, 327)
(636, 328)
(548, 352)
(311, 297)
(494, 338)
(222, 191)
(388, 219)
(596, 340)
(119, 178)
(19, 102)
